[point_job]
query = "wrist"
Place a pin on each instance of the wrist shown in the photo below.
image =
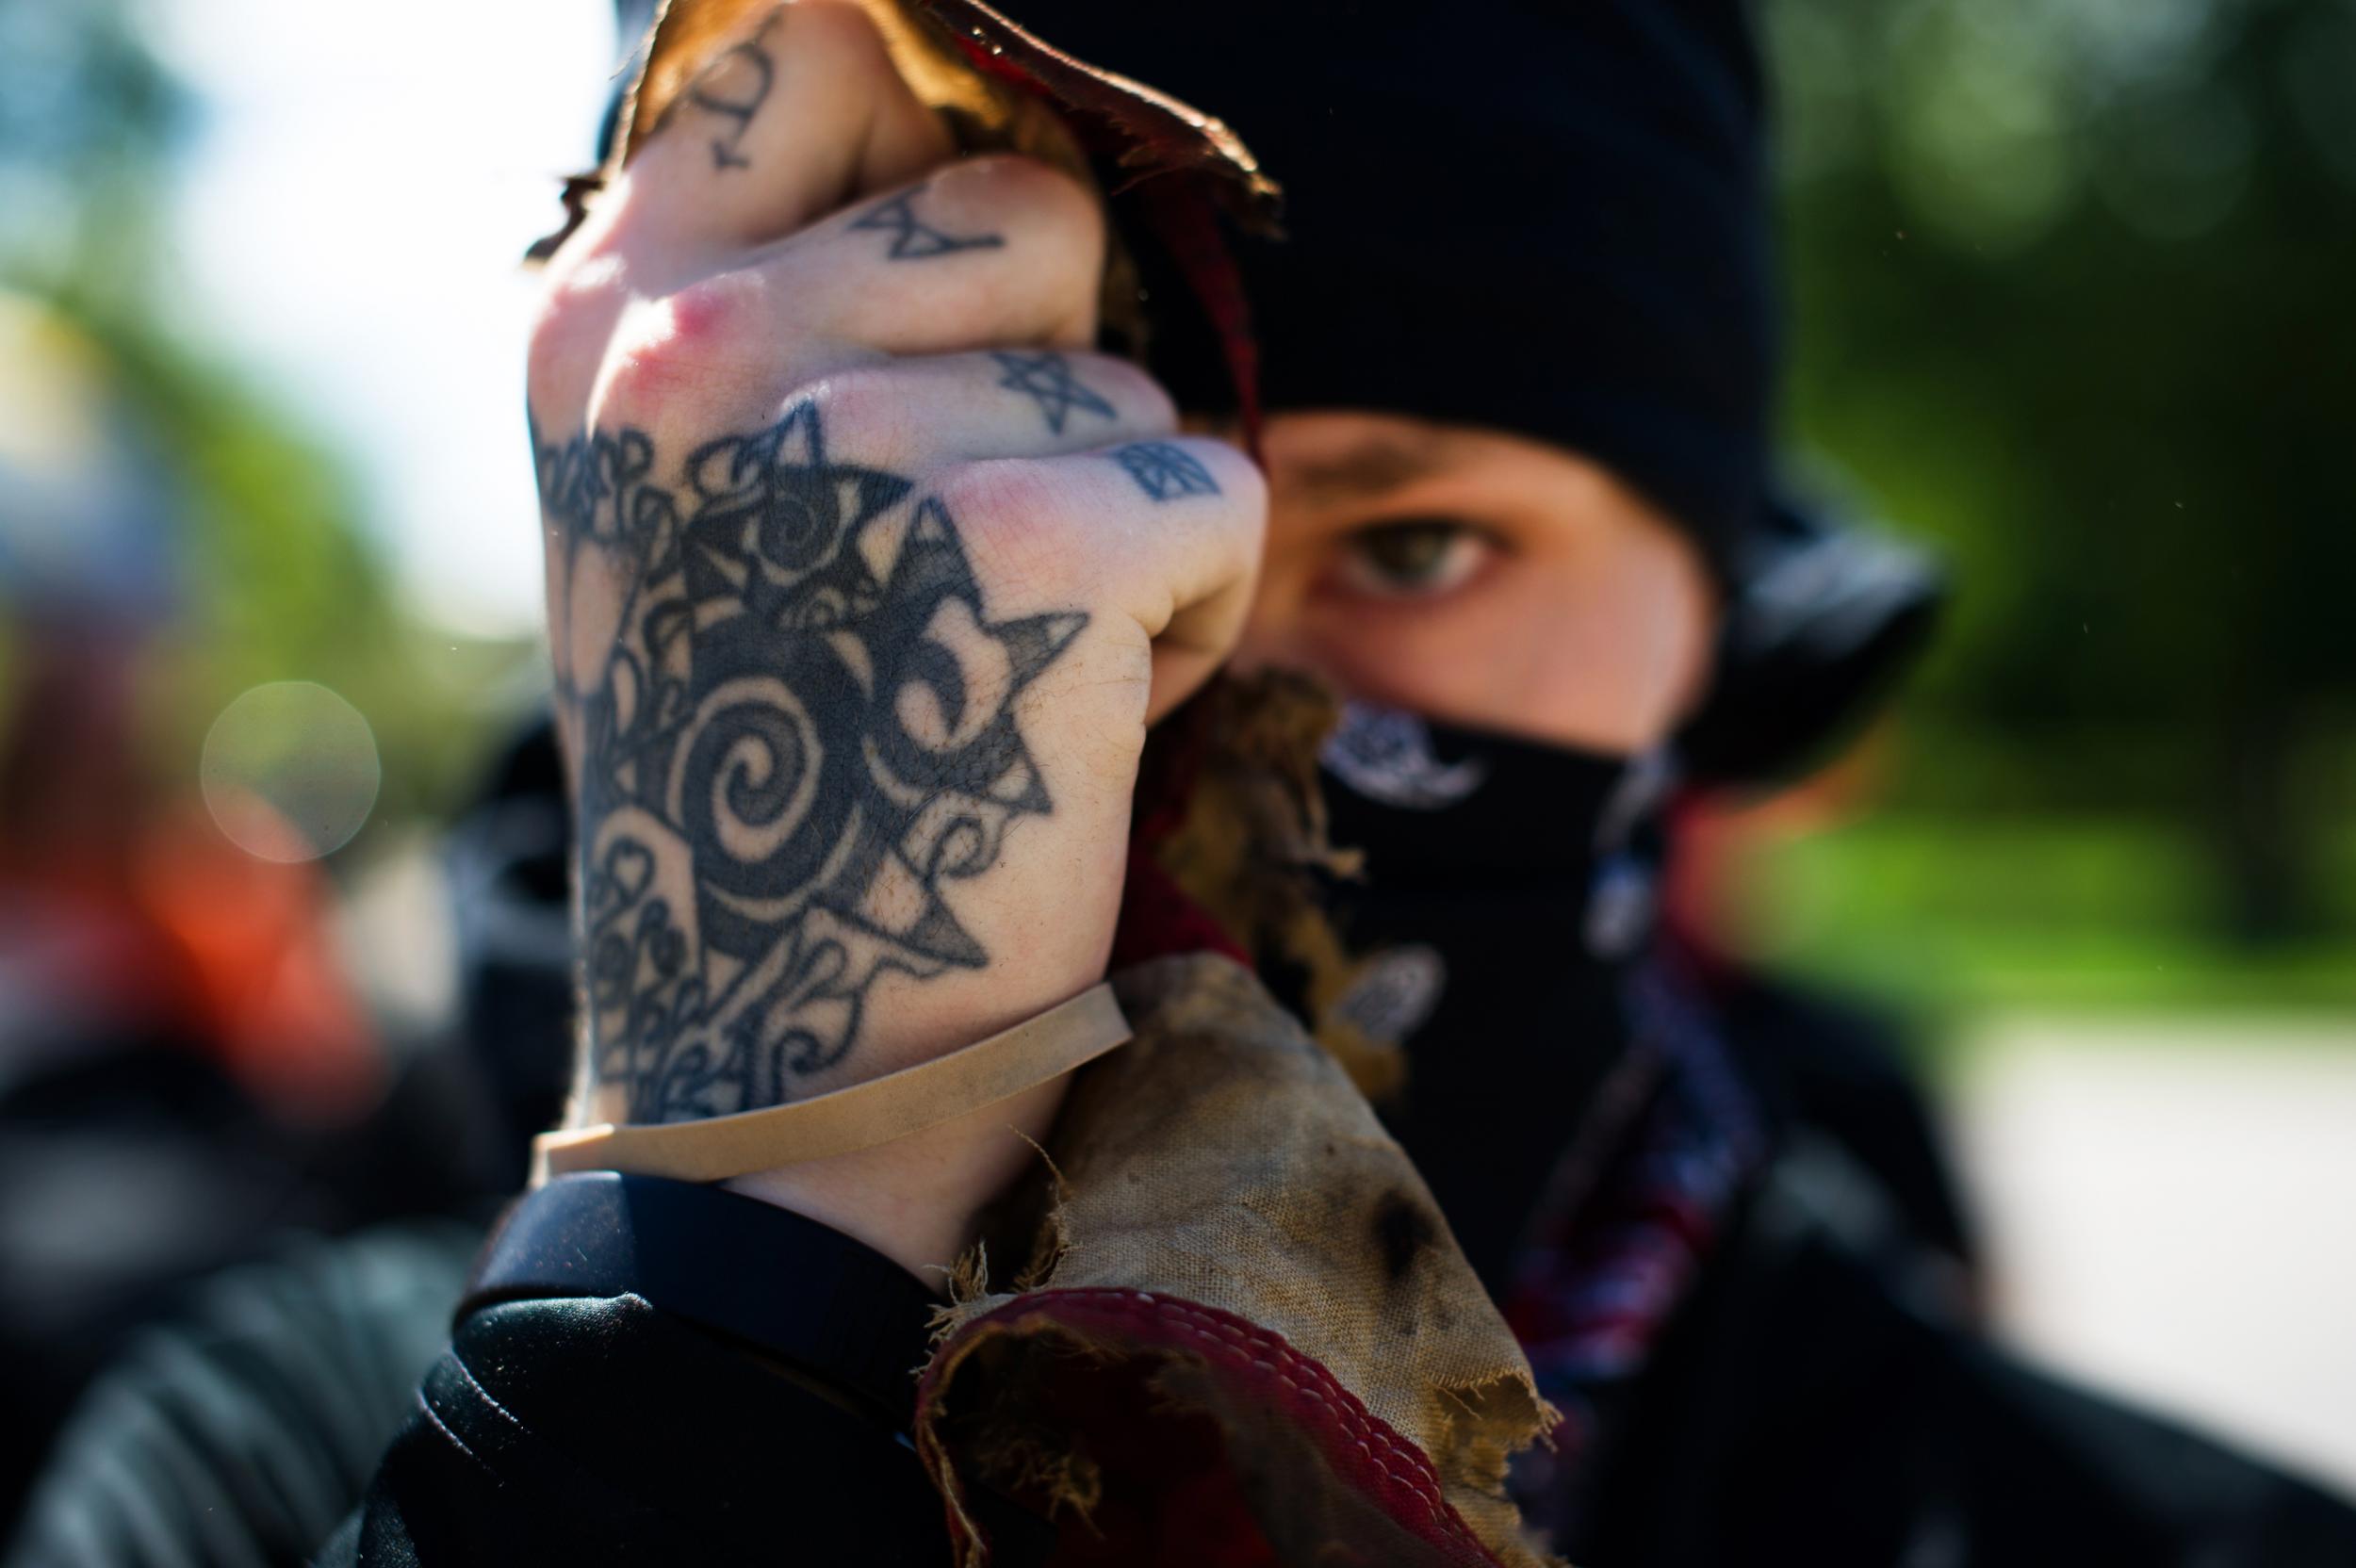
(904, 1161)
(918, 1199)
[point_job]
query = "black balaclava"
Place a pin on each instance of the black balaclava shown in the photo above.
(1547, 219)
(1509, 885)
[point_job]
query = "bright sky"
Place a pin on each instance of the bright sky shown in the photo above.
(362, 180)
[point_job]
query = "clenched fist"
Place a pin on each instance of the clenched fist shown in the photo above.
(865, 579)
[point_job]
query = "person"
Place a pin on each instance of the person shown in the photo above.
(867, 577)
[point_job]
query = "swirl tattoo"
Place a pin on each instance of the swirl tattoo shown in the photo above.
(804, 730)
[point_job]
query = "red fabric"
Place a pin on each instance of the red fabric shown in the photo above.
(1171, 1493)
(1186, 222)
(1157, 918)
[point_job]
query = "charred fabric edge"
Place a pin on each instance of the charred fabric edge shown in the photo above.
(1164, 135)
(1156, 134)
(1184, 169)
(1359, 1447)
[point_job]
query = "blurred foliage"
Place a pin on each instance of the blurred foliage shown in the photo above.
(284, 585)
(87, 116)
(278, 579)
(2069, 280)
(1945, 914)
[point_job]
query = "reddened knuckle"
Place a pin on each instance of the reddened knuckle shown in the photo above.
(686, 344)
(637, 387)
(986, 492)
(700, 314)
(1011, 515)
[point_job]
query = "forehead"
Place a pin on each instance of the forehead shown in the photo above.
(1335, 457)
(1334, 460)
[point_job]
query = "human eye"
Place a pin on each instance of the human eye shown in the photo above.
(1413, 558)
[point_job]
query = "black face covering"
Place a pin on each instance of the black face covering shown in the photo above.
(1507, 888)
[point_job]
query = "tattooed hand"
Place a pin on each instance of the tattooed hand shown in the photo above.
(864, 582)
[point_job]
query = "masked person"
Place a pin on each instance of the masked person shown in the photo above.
(865, 578)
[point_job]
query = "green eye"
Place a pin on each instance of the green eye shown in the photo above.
(1423, 555)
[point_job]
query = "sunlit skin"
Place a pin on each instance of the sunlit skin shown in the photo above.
(1477, 577)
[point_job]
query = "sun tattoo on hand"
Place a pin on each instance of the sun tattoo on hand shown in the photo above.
(805, 731)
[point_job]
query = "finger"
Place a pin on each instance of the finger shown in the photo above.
(1171, 529)
(802, 114)
(909, 416)
(1210, 604)
(984, 253)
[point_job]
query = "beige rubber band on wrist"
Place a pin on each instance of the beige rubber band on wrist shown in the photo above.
(860, 1116)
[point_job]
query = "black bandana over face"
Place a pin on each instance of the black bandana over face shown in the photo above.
(1508, 886)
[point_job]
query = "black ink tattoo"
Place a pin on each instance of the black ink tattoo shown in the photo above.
(734, 89)
(912, 239)
(1047, 380)
(805, 731)
(594, 489)
(1165, 471)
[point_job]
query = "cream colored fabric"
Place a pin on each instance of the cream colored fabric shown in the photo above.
(1225, 1159)
(860, 1116)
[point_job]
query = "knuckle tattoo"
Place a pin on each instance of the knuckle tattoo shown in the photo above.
(1165, 471)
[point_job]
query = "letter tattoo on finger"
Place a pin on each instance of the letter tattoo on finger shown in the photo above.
(1165, 471)
(804, 733)
(734, 89)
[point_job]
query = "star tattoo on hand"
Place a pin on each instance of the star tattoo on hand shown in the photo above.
(1047, 380)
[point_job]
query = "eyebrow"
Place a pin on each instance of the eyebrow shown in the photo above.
(1371, 467)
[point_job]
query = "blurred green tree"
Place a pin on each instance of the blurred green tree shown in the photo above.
(2071, 283)
(278, 579)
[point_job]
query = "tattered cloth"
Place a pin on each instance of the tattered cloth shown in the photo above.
(1241, 1332)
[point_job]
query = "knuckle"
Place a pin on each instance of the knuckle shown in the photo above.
(1134, 389)
(692, 344)
(704, 314)
(868, 414)
(1046, 199)
(827, 39)
(1241, 482)
(569, 325)
(1012, 515)
(1244, 480)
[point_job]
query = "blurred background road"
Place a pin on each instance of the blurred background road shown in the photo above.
(2166, 1201)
